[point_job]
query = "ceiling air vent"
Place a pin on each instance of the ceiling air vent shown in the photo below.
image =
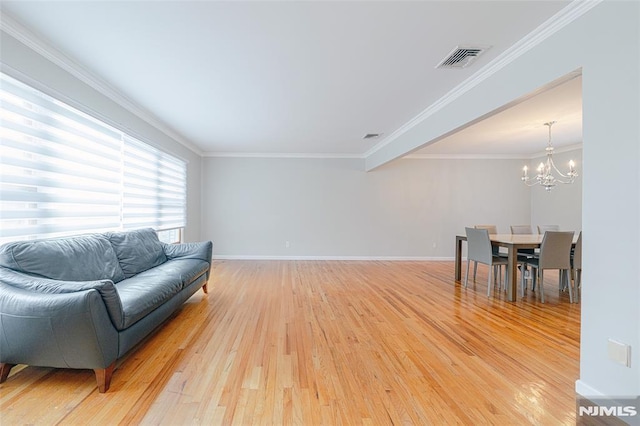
(371, 135)
(461, 57)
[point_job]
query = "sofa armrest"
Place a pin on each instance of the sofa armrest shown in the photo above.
(200, 251)
(41, 285)
(69, 330)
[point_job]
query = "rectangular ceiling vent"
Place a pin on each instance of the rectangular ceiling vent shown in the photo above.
(371, 135)
(461, 57)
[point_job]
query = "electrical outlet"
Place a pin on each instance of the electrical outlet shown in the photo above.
(619, 352)
(286, 244)
(434, 245)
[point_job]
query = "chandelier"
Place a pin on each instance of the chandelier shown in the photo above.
(546, 169)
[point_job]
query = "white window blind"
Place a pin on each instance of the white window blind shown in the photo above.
(154, 188)
(64, 172)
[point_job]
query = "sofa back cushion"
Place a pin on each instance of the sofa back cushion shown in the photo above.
(137, 251)
(81, 258)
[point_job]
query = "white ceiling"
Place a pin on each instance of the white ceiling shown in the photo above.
(519, 129)
(309, 77)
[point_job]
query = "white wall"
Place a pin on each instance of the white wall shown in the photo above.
(611, 197)
(28, 66)
(331, 207)
(563, 205)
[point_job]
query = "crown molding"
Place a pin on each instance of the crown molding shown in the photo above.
(564, 17)
(46, 50)
(281, 155)
(465, 157)
(557, 150)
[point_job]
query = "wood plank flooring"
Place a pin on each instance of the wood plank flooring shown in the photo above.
(330, 342)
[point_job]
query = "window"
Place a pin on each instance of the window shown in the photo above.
(64, 172)
(170, 236)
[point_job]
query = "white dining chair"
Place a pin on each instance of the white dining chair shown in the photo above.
(555, 253)
(576, 264)
(521, 230)
(479, 250)
(544, 228)
(493, 229)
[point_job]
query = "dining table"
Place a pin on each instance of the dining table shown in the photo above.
(513, 243)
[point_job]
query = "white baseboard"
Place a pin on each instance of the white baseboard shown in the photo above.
(587, 391)
(372, 258)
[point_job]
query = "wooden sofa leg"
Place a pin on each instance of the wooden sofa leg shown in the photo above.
(4, 371)
(103, 377)
(205, 289)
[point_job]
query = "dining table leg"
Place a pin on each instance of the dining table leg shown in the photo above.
(458, 266)
(512, 274)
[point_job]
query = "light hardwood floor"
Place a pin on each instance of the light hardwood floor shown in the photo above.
(330, 342)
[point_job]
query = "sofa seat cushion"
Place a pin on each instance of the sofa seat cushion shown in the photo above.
(137, 251)
(87, 257)
(186, 269)
(144, 292)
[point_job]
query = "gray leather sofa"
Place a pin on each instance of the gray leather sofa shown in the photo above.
(84, 301)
